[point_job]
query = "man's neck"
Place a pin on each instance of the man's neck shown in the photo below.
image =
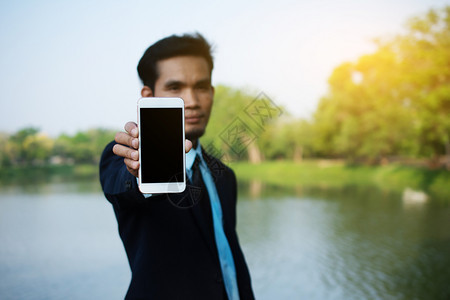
(194, 144)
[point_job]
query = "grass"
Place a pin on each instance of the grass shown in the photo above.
(323, 174)
(40, 174)
(336, 175)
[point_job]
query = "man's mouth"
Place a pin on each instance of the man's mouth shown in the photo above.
(192, 119)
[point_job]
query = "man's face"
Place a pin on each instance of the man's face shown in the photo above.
(189, 78)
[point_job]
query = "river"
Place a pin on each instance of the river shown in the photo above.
(59, 241)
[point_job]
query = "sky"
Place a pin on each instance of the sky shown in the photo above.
(67, 66)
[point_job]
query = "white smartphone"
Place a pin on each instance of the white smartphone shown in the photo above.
(161, 145)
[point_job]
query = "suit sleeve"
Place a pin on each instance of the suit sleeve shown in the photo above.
(119, 185)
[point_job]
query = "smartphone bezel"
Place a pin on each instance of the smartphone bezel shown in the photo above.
(162, 187)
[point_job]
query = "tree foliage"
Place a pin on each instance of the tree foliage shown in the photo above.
(30, 147)
(242, 124)
(230, 131)
(395, 101)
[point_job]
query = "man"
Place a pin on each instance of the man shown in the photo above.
(173, 252)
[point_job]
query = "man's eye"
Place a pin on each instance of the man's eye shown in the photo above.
(204, 87)
(174, 88)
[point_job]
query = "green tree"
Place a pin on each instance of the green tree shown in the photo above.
(38, 149)
(83, 147)
(229, 108)
(18, 151)
(395, 101)
(288, 138)
(426, 68)
(5, 159)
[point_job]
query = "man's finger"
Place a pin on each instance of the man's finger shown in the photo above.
(188, 145)
(131, 164)
(126, 139)
(132, 129)
(126, 152)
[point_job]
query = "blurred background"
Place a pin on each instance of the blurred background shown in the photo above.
(335, 116)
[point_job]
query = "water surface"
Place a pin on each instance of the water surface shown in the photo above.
(60, 241)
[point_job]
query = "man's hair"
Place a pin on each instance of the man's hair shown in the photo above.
(172, 46)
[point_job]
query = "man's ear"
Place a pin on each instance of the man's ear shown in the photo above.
(146, 92)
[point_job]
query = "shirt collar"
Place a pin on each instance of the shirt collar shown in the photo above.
(190, 156)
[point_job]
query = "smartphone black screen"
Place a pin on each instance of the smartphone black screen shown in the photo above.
(162, 141)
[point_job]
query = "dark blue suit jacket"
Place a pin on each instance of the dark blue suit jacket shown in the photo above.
(171, 251)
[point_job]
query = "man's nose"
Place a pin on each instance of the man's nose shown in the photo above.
(190, 98)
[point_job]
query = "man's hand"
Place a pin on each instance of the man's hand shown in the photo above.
(127, 147)
(128, 144)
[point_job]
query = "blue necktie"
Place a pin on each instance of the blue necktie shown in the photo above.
(223, 248)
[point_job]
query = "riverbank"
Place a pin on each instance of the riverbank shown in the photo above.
(41, 174)
(320, 174)
(327, 174)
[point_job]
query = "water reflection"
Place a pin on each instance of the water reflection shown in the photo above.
(59, 240)
(349, 243)
(67, 186)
